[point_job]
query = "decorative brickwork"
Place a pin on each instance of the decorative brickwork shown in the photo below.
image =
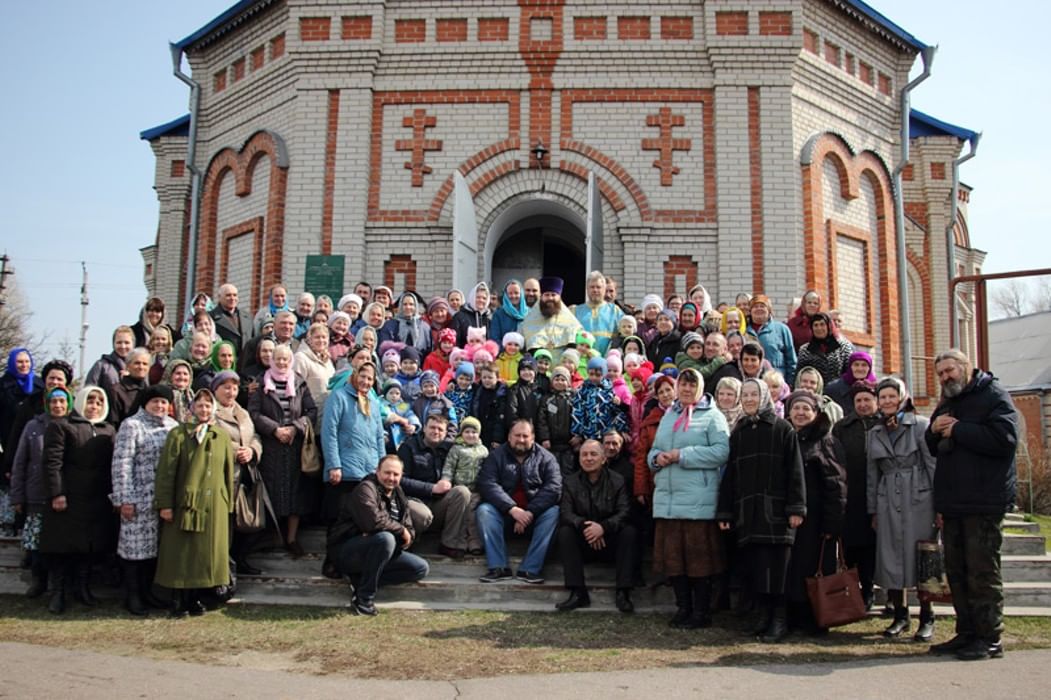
(665, 121)
(219, 81)
(258, 56)
(832, 54)
(315, 28)
(238, 69)
(733, 23)
(589, 28)
(775, 23)
(755, 177)
(331, 139)
(540, 55)
(356, 28)
(885, 84)
(178, 168)
(633, 28)
(419, 144)
(494, 28)
(277, 47)
(679, 269)
(866, 74)
(937, 170)
(860, 282)
(400, 266)
(673, 28)
(410, 31)
(454, 29)
(810, 41)
(924, 273)
(254, 228)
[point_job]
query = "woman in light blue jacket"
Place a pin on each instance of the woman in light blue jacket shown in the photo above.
(691, 446)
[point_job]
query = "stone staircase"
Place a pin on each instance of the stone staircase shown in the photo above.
(454, 585)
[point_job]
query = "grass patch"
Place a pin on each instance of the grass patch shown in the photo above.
(449, 645)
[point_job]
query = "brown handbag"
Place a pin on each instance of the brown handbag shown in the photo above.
(835, 598)
(310, 455)
(252, 502)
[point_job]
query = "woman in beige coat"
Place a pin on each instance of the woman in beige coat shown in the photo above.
(248, 448)
(314, 366)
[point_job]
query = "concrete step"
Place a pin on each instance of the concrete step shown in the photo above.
(1023, 567)
(1033, 545)
(1021, 526)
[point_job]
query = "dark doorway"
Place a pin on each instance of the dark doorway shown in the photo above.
(538, 246)
(562, 261)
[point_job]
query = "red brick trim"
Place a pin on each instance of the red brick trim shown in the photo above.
(604, 187)
(315, 28)
(184, 255)
(253, 227)
(633, 28)
(277, 47)
(851, 169)
(410, 31)
(810, 41)
(419, 121)
(424, 97)
(331, 140)
(835, 229)
(356, 28)
(540, 57)
(258, 57)
(731, 23)
(924, 273)
(400, 264)
(675, 266)
(665, 144)
(676, 28)
(672, 95)
(937, 170)
(242, 165)
(493, 28)
(775, 23)
(589, 28)
(178, 168)
(451, 29)
(755, 176)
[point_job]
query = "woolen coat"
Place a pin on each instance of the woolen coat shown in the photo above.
(238, 425)
(136, 452)
(851, 434)
(77, 458)
(28, 483)
(280, 464)
(190, 558)
(900, 493)
(763, 484)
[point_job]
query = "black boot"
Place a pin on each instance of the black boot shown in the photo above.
(147, 572)
(38, 570)
(57, 583)
(179, 603)
(925, 632)
(778, 628)
(193, 602)
(901, 622)
(578, 598)
(82, 591)
(763, 604)
(701, 590)
(680, 585)
(132, 593)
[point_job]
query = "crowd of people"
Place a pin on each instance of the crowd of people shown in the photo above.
(729, 444)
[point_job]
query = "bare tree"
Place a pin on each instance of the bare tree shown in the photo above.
(1042, 294)
(14, 324)
(1011, 298)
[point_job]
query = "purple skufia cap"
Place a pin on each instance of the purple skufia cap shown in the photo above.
(551, 284)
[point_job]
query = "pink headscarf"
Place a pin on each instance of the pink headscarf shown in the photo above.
(686, 416)
(288, 377)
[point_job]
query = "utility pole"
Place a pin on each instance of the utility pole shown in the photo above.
(4, 272)
(83, 316)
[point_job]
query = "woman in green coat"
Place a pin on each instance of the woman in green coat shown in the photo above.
(194, 499)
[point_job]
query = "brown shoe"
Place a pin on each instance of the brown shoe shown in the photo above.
(295, 549)
(451, 552)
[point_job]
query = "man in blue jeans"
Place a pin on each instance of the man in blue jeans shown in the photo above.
(521, 485)
(370, 536)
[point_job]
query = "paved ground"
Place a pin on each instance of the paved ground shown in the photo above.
(36, 672)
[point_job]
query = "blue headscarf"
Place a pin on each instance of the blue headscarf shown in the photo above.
(274, 309)
(25, 382)
(516, 312)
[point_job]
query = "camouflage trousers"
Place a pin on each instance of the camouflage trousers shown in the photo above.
(972, 562)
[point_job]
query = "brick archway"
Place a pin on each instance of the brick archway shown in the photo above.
(852, 168)
(241, 163)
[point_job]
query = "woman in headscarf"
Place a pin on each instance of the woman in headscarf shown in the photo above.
(124, 395)
(439, 317)
(223, 357)
(151, 317)
(277, 301)
(202, 323)
(858, 369)
(18, 383)
(29, 494)
(136, 452)
(252, 374)
(179, 377)
(735, 320)
(374, 315)
(810, 379)
(339, 339)
(231, 417)
(689, 318)
(689, 449)
(313, 364)
(194, 487)
(281, 410)
(826, 499)
(852, 435)
(826, 351)
(201, 302)
(801, 321)
(728, 399)
(513, 309)
(455, 298)
(54, 373)
(473, 314)
(324, 303)
(160, 347)
(762, 498)
(663, 390)
(900, 499)
(408, 326)
(78, 524)
(700, 298)
(651, 306)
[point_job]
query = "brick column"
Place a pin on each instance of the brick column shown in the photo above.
(734, 269)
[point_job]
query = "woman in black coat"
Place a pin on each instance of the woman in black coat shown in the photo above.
(826, 496)
(124, 395)
(851, 434)
(78, 524)
(762, 498)
(473, 314)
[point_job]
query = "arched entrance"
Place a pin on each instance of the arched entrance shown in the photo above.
(535, 238)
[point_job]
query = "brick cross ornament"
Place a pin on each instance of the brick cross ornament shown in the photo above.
(665, 144)
(419, 144)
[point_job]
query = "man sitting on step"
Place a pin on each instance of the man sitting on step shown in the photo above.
(520, 484)
(595, 517)
(371, 533)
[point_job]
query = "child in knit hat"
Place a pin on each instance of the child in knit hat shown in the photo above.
(391, 363)
(554, 418)
(507, 362)
(431, 401)
(461, 468)
(692, 353)
(456, 358)
(596, 408)
(523, 398)
(489, 406)
(461, 390)
(438, 358)
(409, 373)
(627, 326)
(615, 375)
(586, 348)
(400, 422)
(571, 361)
(543, 369)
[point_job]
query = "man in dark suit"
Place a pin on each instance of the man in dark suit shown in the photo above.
(231, 323)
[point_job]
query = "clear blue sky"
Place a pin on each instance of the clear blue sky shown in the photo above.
(80, 80)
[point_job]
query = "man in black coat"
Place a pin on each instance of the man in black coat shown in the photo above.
(432, 498)
(595, 524)
(973, 434)
(520, 484)
(371, 533)
(231, 322)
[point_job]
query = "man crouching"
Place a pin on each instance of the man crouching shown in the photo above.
(371, 533)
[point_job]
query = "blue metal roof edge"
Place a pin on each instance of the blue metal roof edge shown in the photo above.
(921, 124)
(892, 28)
(176, 127)
(216, 23)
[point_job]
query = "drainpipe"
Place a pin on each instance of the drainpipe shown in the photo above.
(195, 173)
(927, 55)
(950, 238)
